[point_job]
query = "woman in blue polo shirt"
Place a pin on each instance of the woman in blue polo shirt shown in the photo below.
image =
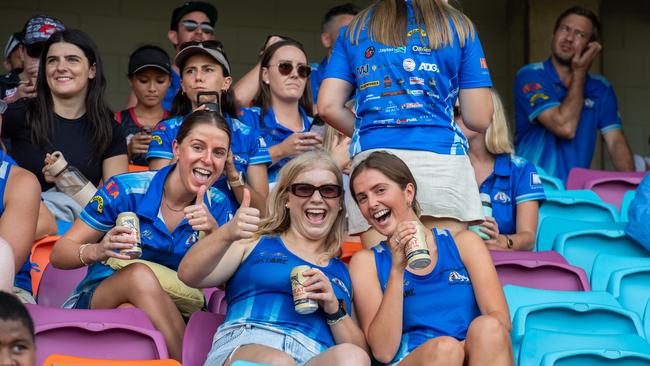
(512, 183)
(205, 68)
(283, 105)
(408, 62)
(173, 205)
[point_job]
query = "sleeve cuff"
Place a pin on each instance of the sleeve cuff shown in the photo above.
(92, 222)
(540, 196)
(542, 108)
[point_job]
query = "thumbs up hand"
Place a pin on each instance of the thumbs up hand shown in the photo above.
(198, 215)
(246, 221)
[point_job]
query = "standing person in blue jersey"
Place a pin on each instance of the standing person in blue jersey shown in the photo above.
(407, 79)
(335, 18)
(149, 76)
(173, 205)
(283, 105)
(304, 226)
(449, 313)
(559, 105)
(205, 68)
(512, 183)
(19, 203)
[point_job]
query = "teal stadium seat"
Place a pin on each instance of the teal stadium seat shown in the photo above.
(554, 226)
(546, 348)
(625, 205)
(551, 183)
(580, 248)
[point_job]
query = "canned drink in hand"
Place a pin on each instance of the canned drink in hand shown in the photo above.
(130, 220)
(301, 302)
(486, 203)
(416, 250)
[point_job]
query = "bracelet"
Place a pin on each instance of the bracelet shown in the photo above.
(335, 321)
(81, 251)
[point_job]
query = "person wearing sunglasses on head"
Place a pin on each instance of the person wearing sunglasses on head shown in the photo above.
(303, 227)
(283, 105)
(205, 69)
(408, 62)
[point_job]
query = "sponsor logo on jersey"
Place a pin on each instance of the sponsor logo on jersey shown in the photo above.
(406, 120)
(393, 93)
(483, 63)
(416, 30)
(531, 87)
(100, 203)
(535, 180)
(414, 80)
(369, 84)
(415, 92)
(457, 278)
(157, 139)
(429, 67)
(383, 121)
(401, 49)
(370, 97)
(421, 49)
(400, 81)
(589, 103)
(112, 189)
(408, 64)
(502, 197)
(536, 97)
(337, 281)
(388, 82)
(411, 105)
(370, 51)
(362, 70)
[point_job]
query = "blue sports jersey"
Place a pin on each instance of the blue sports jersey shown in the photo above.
(23, 278)
(260, 292)
(412, 88)
(272, 132)
(246, 145)
(538, 88)
(316, 78)
(141, 192)
(513, 181)
(440, 303)
(174, 87)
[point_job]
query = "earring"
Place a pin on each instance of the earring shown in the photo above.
(267, 82)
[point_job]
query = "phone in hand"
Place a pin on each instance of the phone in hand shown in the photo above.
(318, 126)
(147, 130)
(210, 99)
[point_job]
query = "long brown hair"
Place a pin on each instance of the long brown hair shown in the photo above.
(388, 23)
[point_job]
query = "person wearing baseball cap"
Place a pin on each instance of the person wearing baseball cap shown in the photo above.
(13, 63)
(149, 75)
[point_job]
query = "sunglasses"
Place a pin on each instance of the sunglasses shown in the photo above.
(285, 68)
(191, 26)
(306, 190)
(34, 50)
(215, 45)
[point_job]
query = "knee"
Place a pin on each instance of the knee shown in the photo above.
(350, 354)
(488, 330)
(141, 279)
(280, 359)
(444, 348)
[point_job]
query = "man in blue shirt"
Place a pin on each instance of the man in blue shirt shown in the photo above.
(559, 106)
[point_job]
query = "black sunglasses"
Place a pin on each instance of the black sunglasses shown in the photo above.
(215, 45)
(191, 26)
(34, 50)
(306, 190)
(285, 68)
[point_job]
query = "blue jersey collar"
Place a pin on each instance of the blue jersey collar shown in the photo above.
(552, 73)
(150, 203)
(502, 165)
(272, 123)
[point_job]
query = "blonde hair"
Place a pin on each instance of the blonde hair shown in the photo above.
(497, 136)
(330, 137)
(388, 23)
(277, 219)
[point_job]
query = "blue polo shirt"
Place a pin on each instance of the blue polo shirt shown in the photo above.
(316, 77)
(174, 87)
(141, 192)
(247, 147)
(412, 88)
(513, 181)
(272, 131)
(537, 88)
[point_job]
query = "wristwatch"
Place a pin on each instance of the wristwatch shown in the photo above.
(337, 316)
(239, 182)
(509, 242)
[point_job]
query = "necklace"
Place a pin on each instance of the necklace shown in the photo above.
(170, 207)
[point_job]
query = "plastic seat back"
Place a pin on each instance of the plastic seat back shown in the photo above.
(551, 183)
(580, 248)
(197, 340)
(137, 168)
(544, 270)
(57, 285)
(581, 178)
(625, 206)
(40, 258)
(554, 226)
(612, 190)
(554, 348)
(96, 334)
(54, 360)
(626, 278)
(217, 302)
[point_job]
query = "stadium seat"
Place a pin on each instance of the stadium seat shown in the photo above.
(197, 340)
(96, 334)
(580, 248)
(217, 302)
(40, 258)
(625, 205)
(551, 183)
(348, 249)
(137, 168)
(57, 284)
(581, 178)
(626, 278)
(544, 270)
(62, 360)
(553, 226)
(554, 349)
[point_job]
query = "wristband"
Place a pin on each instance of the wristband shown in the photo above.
(81, 251)
(509, 242)
(337, 316)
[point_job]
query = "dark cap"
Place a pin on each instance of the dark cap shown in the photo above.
(209, 10)
(39, 29)
(210, 48)
(149, 57)
(14, 41)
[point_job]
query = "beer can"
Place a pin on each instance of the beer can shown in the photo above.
(486, 203)
(416, 250)
(130, 220)
(302, 304)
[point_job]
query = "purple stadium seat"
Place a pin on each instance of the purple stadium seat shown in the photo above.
(106, 333)
(610, 186)
(546, 270)
(197, 340)
(217, 302)
(57, 284)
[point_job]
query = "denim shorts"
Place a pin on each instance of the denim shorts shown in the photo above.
(230, 337)
(82, 299)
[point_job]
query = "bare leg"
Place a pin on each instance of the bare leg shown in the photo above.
(261, 354)
(46, 224)
(136, 284)
(7, 268)
(453, 225)
(371, 238)
(443, 351)
(345, 354)
(488, 342)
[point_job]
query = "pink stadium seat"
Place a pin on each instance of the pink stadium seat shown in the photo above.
(57, 285)
(217, 302)
(106, 334)
(197, 340)
(546, 270)
(610, 186)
